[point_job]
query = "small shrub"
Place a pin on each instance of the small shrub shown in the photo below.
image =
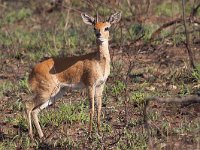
(196, 74)
(138, 96)
(118, 88)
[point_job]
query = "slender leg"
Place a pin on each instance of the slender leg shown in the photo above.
(91, 92)
(29, 107)
(30, 124)
(98, 95)
(36, 121)
(36, 111)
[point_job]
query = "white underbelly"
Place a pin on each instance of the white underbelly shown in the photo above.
(101, 81)
(79, 85)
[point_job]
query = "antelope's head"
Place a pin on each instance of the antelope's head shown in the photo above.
(101, 29)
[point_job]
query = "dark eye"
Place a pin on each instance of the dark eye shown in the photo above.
(106, 29)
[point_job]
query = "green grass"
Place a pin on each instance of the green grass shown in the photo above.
(15, 16)
(17, 141)
(23, 83)
(35, 45)
(134, 140)
(168, 9)
(118, 88)
(196, 73)
(187, 127)
(139, 96)
(7, 145)
(69, 113)
(184, 90)
(6, 86)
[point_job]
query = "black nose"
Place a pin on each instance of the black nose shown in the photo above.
(98, 35)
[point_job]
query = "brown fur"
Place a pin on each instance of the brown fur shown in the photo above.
(49, 78)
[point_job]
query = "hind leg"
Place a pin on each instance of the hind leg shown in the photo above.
(35, 113)
(29, 108)
(98, 97)
(91, 93)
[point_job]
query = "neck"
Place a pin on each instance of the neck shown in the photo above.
(103, 49)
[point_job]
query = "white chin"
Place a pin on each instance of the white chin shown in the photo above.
(102, 39)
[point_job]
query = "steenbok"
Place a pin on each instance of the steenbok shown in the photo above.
(50, 78)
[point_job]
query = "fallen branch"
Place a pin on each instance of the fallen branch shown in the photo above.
(191, 99)
(168, 24)
(185, 99)
(173, 34)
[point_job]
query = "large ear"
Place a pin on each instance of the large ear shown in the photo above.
(88, 19)
(114, 18)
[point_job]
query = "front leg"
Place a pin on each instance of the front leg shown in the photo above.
(91, 92)
(98, 96)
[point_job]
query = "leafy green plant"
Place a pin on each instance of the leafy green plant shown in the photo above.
(153, 115)
(184, 90)
(106, 127)
(178, 38)
(118, 88)
(196, 74)
(138, 96)
(136, 30)
(148, 30)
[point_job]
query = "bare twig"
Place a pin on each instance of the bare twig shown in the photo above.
(180, 100)
(187, 38)
(145, 119)
(148, 7)
(73, 9)
(194, 11)
(67, 19)
(130, 67)
(130, 6)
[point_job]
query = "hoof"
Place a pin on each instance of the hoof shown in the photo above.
(31, 136)
(90, 137)
(99, 135)
(41, 136)
(42, 139)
